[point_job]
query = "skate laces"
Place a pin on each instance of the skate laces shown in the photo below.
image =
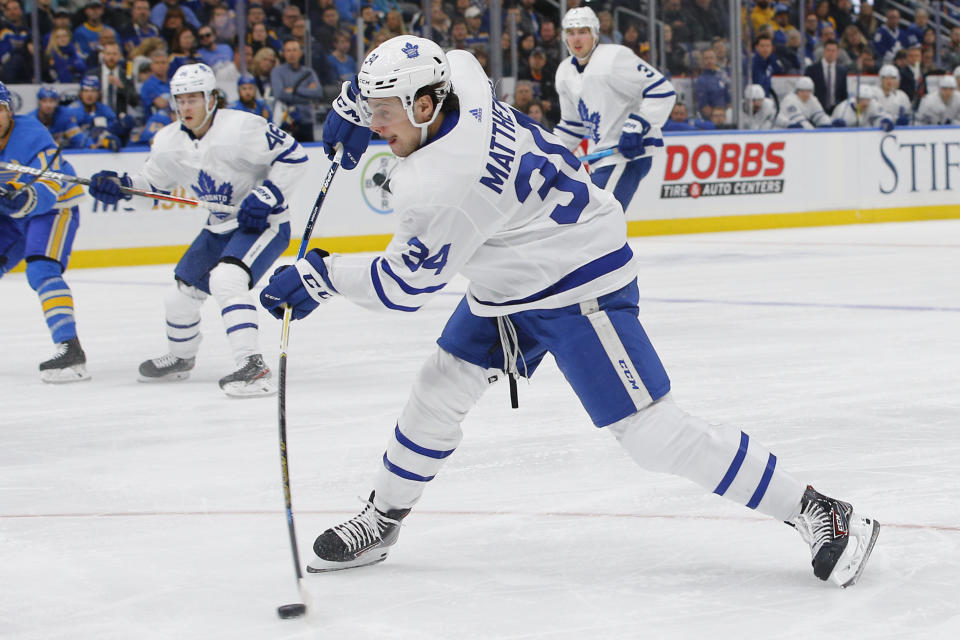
(815, 525)
(365, 528)
(62, 348)
(165, 361)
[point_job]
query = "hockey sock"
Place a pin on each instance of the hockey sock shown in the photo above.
(229, 284)
(182, 305)
(56, 299)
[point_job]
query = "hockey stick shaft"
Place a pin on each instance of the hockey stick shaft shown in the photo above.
(63, 177)
(282, 384)
(596, 155)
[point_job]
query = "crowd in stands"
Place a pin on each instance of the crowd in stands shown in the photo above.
(296, 53)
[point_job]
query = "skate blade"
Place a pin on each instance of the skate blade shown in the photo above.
(76, 373)
(319, 565)
(170, 377)
(855, 562)
(255, 389)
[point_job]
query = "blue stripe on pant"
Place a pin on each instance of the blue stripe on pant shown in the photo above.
(633, 172)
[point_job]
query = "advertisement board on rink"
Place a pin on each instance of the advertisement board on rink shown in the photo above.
(804, 177)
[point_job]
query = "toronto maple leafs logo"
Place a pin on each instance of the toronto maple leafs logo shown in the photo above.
(412, 50)
(208, 191)
(590, 120)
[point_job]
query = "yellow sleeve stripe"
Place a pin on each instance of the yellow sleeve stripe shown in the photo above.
(73, 191)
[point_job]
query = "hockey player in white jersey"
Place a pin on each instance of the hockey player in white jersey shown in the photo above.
(232, 158)
(482, 190)
(759, 112)
(801, 109)
(862, 110)
(894, 101)
(941, 106)
(611, 98)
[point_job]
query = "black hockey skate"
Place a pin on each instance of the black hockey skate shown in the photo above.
(363, 539)
(251, 380)
(840, 540)
(68, 364)
(166, 369)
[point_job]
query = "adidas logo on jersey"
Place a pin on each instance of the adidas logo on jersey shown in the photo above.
(477, 113)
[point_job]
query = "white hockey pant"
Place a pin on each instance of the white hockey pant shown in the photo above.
(182, 304)
(230, 286)
(428, 430)
(722, 459)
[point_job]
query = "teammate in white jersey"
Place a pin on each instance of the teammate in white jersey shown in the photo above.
(228, 157)
(611, 98)
(801, 109)
(759, 112)
(862, 110)
(941, 106)
(894, 101)
(481, 189)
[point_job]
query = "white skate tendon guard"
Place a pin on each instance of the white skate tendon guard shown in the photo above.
(863, 535)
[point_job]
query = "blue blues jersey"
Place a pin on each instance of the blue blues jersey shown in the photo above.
(64, 129)
(30, 144)
(259, 108)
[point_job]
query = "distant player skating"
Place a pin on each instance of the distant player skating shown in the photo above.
(482, 190)
(226, 157)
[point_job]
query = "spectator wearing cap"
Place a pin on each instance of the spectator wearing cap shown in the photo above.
(58, 121)
(781, 23)
(940, 106)
(64, 61)
(248, 99)
(890, 38)
(98, 121)
(118, 91)
(711, 89)
(140, 27)
(297, 88)
(894, 101)
(829, 77)
(87, 35)
(155, 92)
(801, 109)
(542, 76)
(343, 64)
(159, 12)
(476, 35)
(211, 52)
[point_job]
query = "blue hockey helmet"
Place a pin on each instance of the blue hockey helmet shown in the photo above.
(5, 97)
(246, 79)
(47, 91)
(90, 82)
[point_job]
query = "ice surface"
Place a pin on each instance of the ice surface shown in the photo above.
(153, 512)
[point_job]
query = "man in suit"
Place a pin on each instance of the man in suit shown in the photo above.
(119, 92)
(829, 78)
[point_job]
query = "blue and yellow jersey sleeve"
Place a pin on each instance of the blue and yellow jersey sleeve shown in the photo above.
(30, 144)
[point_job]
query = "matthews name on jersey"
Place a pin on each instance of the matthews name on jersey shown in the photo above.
(237, 153)
(522, 222)
(614, 84)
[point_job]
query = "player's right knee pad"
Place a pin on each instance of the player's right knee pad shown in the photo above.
(182, 304)
(428, 430)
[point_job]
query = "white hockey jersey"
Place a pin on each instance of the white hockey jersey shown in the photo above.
(238, 152)
(897, 106)
(596, 100)
(932, 109)
(762, 118)
(794, 112)
(847, 111)
(499, 199)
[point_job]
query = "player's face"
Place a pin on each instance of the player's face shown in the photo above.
(946, 94)
(889, 84)
(89, 96)
(804, 94)
(580, 41)
(47, 106)
(6, 119)
(388, 119)
(190, 108)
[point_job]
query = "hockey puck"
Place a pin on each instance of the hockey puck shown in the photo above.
(291, 610)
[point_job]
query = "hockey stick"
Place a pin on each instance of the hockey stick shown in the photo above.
(63, 177)
(596, 155)
(296, 610)
(34, 175)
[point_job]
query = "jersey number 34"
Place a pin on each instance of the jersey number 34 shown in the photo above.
(553, 178)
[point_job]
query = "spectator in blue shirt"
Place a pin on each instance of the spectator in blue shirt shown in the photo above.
(64, 62)
(155, 92)
(764, 64)
(711, 90)
(678, 120)
(343, 64)
(140, 27)
(210, 51)
(87, 35)
(248, 100)
(159, 12)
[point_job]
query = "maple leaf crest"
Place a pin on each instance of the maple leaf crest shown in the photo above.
(208, 191)
(590, 120)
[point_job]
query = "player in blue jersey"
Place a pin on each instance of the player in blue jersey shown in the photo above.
(59, 120)
(38, 221)
(483, 190)
(96, 120)
(248, 100)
